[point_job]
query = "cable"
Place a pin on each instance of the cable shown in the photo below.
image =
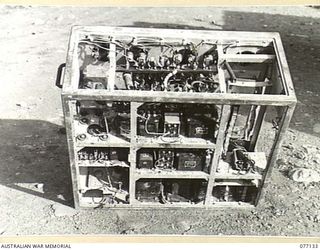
(101, 47)
(95, 44)
(162, 135)
(201, 83)
(176, 139)
(166, 79)
(146, 128)
(110, 41)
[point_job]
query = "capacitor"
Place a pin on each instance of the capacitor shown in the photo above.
(130, 56)
(142, 58)
(95, 53)
(152, 62)
(191, 58)
(128, 80)
(95, 155)
(101, 156)
(164, 61)
(177, 58)
(85, 156)
(79, 155)
(208, 61)
(208, 160)
(226, 194)
(91, 157)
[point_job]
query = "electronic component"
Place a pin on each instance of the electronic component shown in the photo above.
(145, 160)
(103, 156)
(173, 120)
(108, 185)
(113, 154)
(208, 159)
(151, 64)
(93, 155)
(241, 160)
(192, 191)
(100, 119)
(229, 193)
(123, 126)
(175, 159)
(121, 120)
(165, 159)
(171, 124)
(170, 190)
(200, 127)
(148, 190)
(175, 191)
(149, 126)
(148, 121)
(189, 161)
(111, 178)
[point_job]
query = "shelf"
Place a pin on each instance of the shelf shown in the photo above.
(154, 174)
(172, 142)
(191, 205)
(87, 203)
(112, 163)
(95, 141)
(112, 141)
(119, 194)
(167, 205)
(232, 204)
(225, 171)
(230, 182)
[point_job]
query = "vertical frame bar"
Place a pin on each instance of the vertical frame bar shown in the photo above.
(112, 68)
(133, 151)
(222, 80)
(284, 125)
(225, 113)
(66, 103)
(257, 128)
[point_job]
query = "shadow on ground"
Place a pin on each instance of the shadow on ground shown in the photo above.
(34, 159)
(35, 152)
(173, 26)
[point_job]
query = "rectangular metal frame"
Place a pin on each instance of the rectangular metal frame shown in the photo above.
(71, 93)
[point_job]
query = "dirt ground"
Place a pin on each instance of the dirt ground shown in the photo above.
(35, 182)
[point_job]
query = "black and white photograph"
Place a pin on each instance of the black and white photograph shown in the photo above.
(160, 121)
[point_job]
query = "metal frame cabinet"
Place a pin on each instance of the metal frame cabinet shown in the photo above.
(281, 96)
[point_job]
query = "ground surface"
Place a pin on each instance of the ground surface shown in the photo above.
(35, 189)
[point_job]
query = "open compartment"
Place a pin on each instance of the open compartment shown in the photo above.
(251, 133)
(104, 185)
(252, 68)
(147, 63)
(235, 191)
(174, 122)
(103, 156)
(102, 122)
(171, 191)
(174, 160)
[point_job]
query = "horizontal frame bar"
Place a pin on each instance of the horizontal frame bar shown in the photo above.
(178, 97)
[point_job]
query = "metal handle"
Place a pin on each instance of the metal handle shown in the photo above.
(59, 75)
